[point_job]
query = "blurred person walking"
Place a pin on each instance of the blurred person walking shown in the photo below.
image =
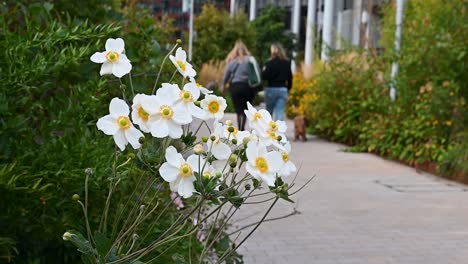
(277, 73)
(237, 75)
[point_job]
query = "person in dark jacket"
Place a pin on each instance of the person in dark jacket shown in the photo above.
(236, 74)
(277, 73)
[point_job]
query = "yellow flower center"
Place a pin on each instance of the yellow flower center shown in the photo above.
(123, 122)
(261, 164)
(206, 174)
(272, 134)
(285, 157)
(186, 96)
(213, 107)
(273, 126)
(257, 116)
(185, 170)
(112, 56)
(143, 114)
(198, 85)
(181, 65)
(166, 112)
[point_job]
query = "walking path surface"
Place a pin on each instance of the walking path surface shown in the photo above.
(360, 209)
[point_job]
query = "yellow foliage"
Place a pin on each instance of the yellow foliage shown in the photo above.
(301, 96)
(211, 73)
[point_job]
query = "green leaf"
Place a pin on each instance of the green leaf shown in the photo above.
(103, 244)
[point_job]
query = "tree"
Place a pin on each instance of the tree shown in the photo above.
(269, 27)
(216, 34)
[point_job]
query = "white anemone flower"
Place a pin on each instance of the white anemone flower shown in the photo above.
(214, 106)
(217, 147)
(180, 61)
(165, 118)
(202, 89)
(139, 115)
(262, 164)
(237, 134)
(113, 60)
(288, 167)
(179, 172)
(185, 98)
(118, 125)
(258, 120)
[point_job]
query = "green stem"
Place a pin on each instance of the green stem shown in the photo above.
(160, 69)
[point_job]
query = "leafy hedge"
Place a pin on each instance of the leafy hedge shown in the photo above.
(51, 96)
(427, 125)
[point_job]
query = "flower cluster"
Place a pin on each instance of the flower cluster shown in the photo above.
(165, 114)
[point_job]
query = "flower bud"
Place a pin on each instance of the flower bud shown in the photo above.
(88, 171)
(248, 187)
(142, 207)
(67, 236)
(123, 86)
(234, 141)
(279, 138)
(246, 140)
(141, 140)
(213, 138)
(218, 174)
(230, 129)
(131, 155)
(228, 122)
(179, 41)
(233, 158)
(198, 149)
(204, 139)
(135, 237)
(75, 197)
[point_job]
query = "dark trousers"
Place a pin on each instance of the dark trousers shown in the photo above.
(241, 93)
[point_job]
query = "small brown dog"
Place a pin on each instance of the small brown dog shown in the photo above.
(300, 124)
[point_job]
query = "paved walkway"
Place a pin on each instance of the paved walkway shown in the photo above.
(361, 209)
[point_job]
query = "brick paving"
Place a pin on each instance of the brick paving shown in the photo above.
(360, 209)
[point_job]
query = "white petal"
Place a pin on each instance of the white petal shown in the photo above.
(252, 170)
(275, 161)
(118, 107)
(197, 111)
(160, 128)
(251, 152)
(174, 130)
(221, 150)
(108, 125)
(181, 116)
(268, 179)
(120, 140)
(151, 104)
(115, 45)
(173, 157)
(181, 55)
(133, 136)
(186, 188)
(98, 57)
(168, 92)
(121, 68)
(190, 72)
(175, 184)
(106, 68)
(168, 172)
(196, 162)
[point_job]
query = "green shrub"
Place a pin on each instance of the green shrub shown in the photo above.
(426, 125)
(50, 98)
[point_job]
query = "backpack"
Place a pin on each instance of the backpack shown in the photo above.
(254, 74)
